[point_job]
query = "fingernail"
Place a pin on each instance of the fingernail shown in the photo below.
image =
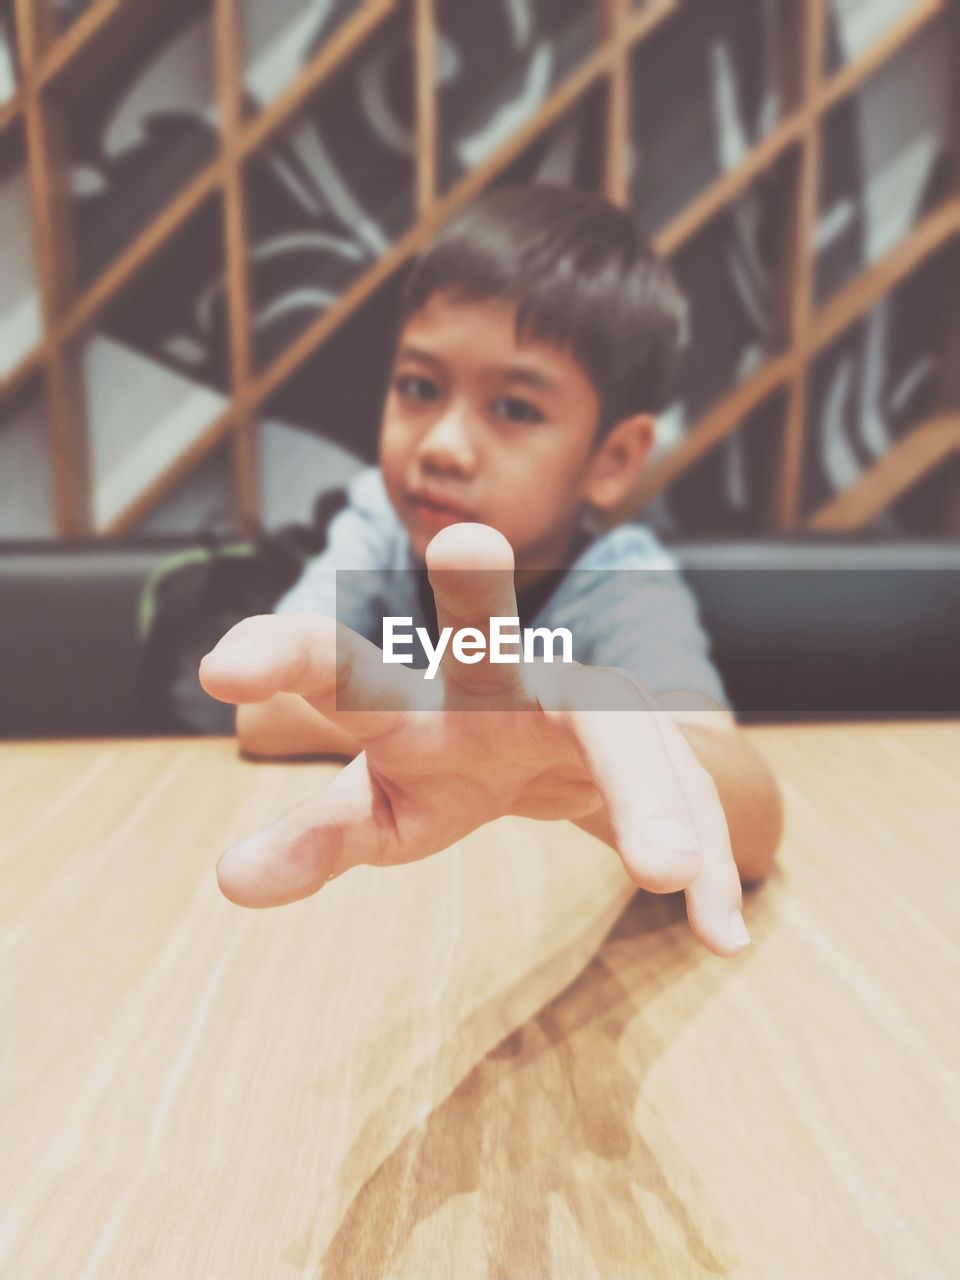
(738, 930)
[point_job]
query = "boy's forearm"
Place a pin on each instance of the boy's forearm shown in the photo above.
(285, 725)
(749, 795)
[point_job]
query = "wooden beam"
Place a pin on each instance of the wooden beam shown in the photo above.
(331, 55)
(162, 485)
(560, 101)
(904, 465)
(141, 250)
(11, 112)
(714, 426)
(931, 234)
(616, 147)
(46, 171)
(799, 301)
(425, 79)
(31, 364)
(850, 78)
(106, 22)
(729, 187)
(228, 43)
(781, 370)
(853, 301)
(268, 381)
(250, 136)
(642, 24)
(254, 134)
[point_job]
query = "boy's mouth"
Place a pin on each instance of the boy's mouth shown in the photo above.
(434, 511)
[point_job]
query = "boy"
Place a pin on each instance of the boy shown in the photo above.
(537, 337)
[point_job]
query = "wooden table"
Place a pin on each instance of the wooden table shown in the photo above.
(497, 1063)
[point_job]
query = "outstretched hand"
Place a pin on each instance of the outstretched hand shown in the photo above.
(491, 739)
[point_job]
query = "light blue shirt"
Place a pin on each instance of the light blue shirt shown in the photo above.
(623, 599)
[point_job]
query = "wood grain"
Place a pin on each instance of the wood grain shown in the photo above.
(459, 1069)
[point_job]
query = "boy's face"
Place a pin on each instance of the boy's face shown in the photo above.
(478, 427)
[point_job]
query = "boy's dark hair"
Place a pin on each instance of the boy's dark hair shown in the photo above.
(582, 276)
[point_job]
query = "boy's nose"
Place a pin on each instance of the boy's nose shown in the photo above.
(447, 445)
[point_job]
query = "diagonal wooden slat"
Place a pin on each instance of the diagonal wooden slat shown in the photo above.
(792, 129)
(931, 235)
(28, 368)
(250, 136)
(165, 482)
(902, 467)
(256, 133)
(854, 300)
(299, 351)
(81, 35)
(847, 79)
(635, 27)
(729, 187)
(715, 425)
(334, 52)
(642, 24)
(172, 219)
(11, 112)
(572, 90)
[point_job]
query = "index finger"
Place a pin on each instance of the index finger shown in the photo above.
(471, 567)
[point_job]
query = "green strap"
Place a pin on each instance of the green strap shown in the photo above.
(148, 597)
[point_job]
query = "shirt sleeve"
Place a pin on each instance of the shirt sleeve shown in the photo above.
(363, 536)
(635, 611)
(655, 633)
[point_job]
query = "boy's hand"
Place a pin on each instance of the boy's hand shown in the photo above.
(489, 746)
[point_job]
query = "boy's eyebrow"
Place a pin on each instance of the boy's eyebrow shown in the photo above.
(509, 373)
(417, 353)
(529, 378)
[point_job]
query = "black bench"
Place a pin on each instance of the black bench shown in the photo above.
(801, 630)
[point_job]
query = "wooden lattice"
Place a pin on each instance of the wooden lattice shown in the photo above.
(47, 58)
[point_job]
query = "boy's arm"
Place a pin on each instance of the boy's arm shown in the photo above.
(748, 793)
(286, 725)
(747, 789)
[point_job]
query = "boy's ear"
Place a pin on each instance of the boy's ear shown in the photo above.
(615, 467)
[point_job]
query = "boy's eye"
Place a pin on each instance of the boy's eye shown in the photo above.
(414, 387)
(514, 409)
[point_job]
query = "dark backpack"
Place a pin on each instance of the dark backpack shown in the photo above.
(196, 596)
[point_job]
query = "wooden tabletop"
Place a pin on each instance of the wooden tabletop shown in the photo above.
(499, 1063)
